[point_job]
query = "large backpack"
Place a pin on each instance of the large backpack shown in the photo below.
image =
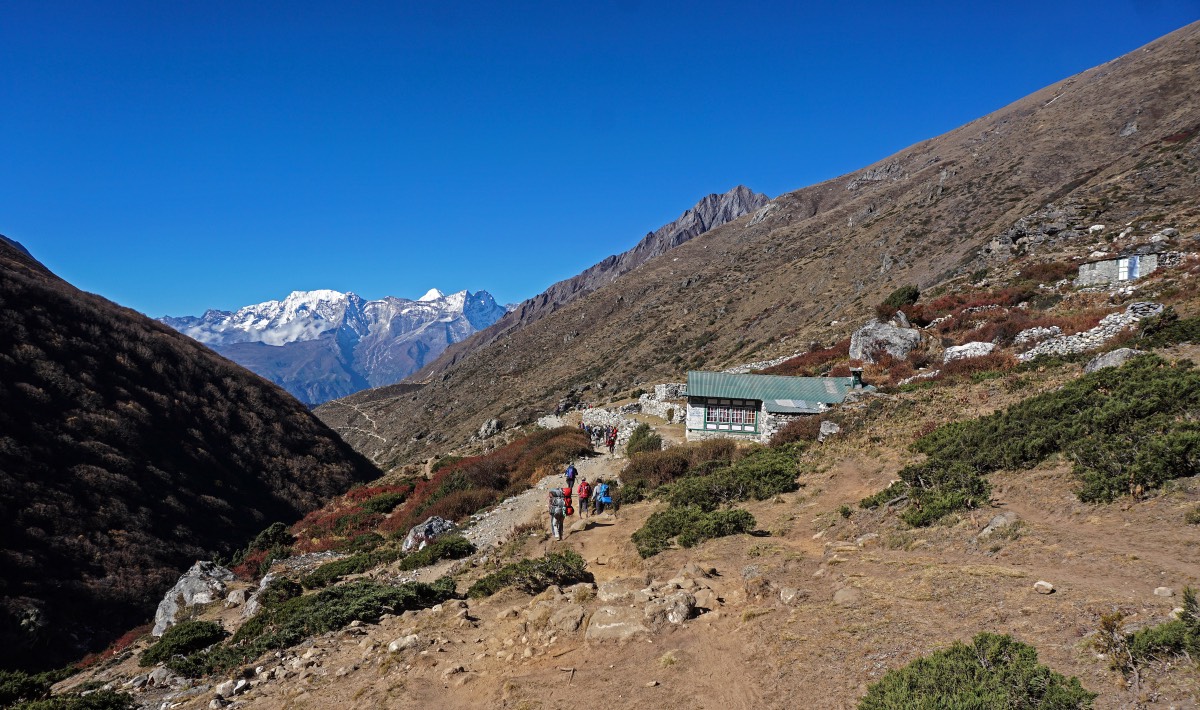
(585, 490)
(558, 505)
(602, 493)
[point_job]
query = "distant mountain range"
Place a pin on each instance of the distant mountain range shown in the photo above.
(321, 345)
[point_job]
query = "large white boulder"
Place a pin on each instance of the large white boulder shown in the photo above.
(204, 583)
(966, 350)
(875, 336)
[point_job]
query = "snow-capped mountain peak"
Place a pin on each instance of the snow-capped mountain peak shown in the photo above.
(369, 343)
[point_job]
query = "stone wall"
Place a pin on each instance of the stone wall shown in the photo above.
(1093, 338)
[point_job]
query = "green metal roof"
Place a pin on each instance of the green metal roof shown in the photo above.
(785, 393)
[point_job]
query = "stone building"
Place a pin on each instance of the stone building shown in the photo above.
(1126, 267)
(721, 404)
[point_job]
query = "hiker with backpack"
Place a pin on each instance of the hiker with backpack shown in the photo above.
(558, 510)
(571, 476)
(585, 494)
(603, 497)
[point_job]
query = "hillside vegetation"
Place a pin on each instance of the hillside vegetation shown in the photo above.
(127, 452)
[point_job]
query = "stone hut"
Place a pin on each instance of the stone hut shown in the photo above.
(1128, 266)
(721, 404)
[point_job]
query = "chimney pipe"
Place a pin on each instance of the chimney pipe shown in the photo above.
(856, 381)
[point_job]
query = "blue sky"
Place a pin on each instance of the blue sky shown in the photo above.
(177, 156)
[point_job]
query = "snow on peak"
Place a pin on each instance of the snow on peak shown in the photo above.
(432, 295)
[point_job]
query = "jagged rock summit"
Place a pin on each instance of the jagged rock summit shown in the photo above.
(324, 344)
(709, 213)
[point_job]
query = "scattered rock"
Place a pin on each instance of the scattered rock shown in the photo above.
(620, 589)
(1036, 334)
(652, 684)
(580, 525)
(707, 599)
(967, 350)
(867, 540)
(848, 596)
(204, 583)
(828, 429)
(791, 595)
(452, 670)
(697, 571)
(1043, 587)
(1164, 592)
(1115, 358)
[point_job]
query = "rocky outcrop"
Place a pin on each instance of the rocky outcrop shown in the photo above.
(204, 583)
(875, 337)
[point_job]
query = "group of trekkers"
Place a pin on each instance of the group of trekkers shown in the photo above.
(592, 500)
(601, 435)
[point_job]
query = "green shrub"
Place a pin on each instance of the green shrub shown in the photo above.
(447, 547)
(1193, 516)
(903, 296)
(332, 572)
(1126, 429)
(993, 672)
(534, 574)
(98, 700)
(1167, 328)
(643, 439)
(182, 639)
(283, 624)
(18, 686)
(278, 591)
(691, 525)
(385, 503)
(1173, 638)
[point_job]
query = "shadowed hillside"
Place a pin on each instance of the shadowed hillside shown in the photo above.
(128, 451)
(1116, 144)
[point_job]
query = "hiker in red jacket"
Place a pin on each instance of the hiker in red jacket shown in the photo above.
(585, 495)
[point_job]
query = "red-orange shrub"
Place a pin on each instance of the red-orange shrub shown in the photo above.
(813, 363)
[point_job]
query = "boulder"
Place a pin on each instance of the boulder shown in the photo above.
(1115, 358)
(615, 623)
(567, 619)
(1043, 587)
(791, 595)
(426, 532)
(620, 589)
(707, 599)
(998, 522)
(204, 583)
(1164, 592)
(580, 525)
(875, 336)
(967, 350)
(237, 597)
(674, 608)
(404, 643)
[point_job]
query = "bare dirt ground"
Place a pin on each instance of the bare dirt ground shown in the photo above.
(811, 611)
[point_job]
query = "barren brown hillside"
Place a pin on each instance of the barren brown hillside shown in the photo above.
(1116, 144)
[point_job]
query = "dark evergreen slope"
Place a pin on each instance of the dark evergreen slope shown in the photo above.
(128, 451)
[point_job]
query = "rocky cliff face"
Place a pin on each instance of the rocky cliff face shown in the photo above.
(709, 213)
(320, 345)
(813, 264)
